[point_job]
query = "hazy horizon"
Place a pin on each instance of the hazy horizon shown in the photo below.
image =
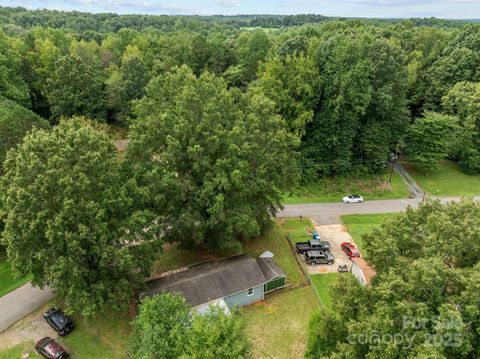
(447, 9)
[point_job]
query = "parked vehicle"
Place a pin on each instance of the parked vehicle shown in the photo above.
(319, 257)
(58, 321)
(316, 236)
(350, 250)
(353, 198)
(342, 268)
(312, 245)
(50, 349)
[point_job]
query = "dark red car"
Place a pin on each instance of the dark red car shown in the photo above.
(48, 348)
(350, 250)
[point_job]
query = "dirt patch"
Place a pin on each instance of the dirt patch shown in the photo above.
(31, 328)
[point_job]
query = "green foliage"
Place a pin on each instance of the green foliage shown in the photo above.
(70, 219)
(429, 138)
(362, 109)
(463, 100)
(428, 267)
(251, 48)
(15, 122)
(293, 84)
(76, 85)
(12, 85)
(459, 61)
(167, 328)
(214, 161)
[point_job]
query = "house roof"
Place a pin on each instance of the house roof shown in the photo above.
(208, 281)
(270, 269)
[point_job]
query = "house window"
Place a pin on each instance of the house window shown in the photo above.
(250, 292)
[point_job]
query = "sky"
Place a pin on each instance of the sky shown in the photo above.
(457, 9)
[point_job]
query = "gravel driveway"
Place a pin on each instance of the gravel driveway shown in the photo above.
(335, 234)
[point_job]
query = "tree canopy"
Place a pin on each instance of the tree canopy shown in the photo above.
(429, 139)
(423, 301)
(166, 327)
(15, 122)
(215, 161)
(70, 219)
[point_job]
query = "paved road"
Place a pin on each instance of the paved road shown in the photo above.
(329, 213)
(21, 302)
(413, 186)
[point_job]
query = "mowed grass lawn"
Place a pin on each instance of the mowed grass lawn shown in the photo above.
(333, 189)
(446, 180)
(278, 326)
(8, 281)
(358, 224)
(298, 229)
(323, 283)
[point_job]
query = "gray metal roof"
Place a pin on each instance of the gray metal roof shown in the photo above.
(270, 269)
(208, 281)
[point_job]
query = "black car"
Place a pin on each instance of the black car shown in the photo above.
(58, 321)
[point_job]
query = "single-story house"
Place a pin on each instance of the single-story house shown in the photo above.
(231, 282)
(362, 271)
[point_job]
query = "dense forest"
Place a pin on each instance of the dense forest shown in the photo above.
(349, 90)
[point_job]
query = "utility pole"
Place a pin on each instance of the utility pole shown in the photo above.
(394, 162)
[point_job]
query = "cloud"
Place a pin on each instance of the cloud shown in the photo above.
(228, 3)
(295, 3)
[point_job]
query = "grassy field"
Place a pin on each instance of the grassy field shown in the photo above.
(17, 351)
(333, 189)
(322, 283)
(278, 326)
(446, 180)
(8, 282)
(275, 242)
(358, 224)
(297, 229)
(105, 337)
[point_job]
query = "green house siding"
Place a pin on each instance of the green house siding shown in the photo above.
(274, 284)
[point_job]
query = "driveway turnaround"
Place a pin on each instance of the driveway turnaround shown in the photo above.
(21, 302)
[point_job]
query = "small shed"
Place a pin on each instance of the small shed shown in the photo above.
(362, 271)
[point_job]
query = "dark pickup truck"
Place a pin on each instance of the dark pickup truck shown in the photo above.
(319, 257)
(312, 245)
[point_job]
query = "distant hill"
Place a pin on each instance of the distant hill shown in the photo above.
(80, 22)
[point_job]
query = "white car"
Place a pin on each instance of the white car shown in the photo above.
(353, 198)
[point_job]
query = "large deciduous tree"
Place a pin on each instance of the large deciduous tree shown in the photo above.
(76, 86)
(362, 110)
(214, 160)
(167, 329)
(12, 85)
(293, 84)
(429, 138)
(463, 100)
(423, 301)
(70, 219)
(15, 122)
